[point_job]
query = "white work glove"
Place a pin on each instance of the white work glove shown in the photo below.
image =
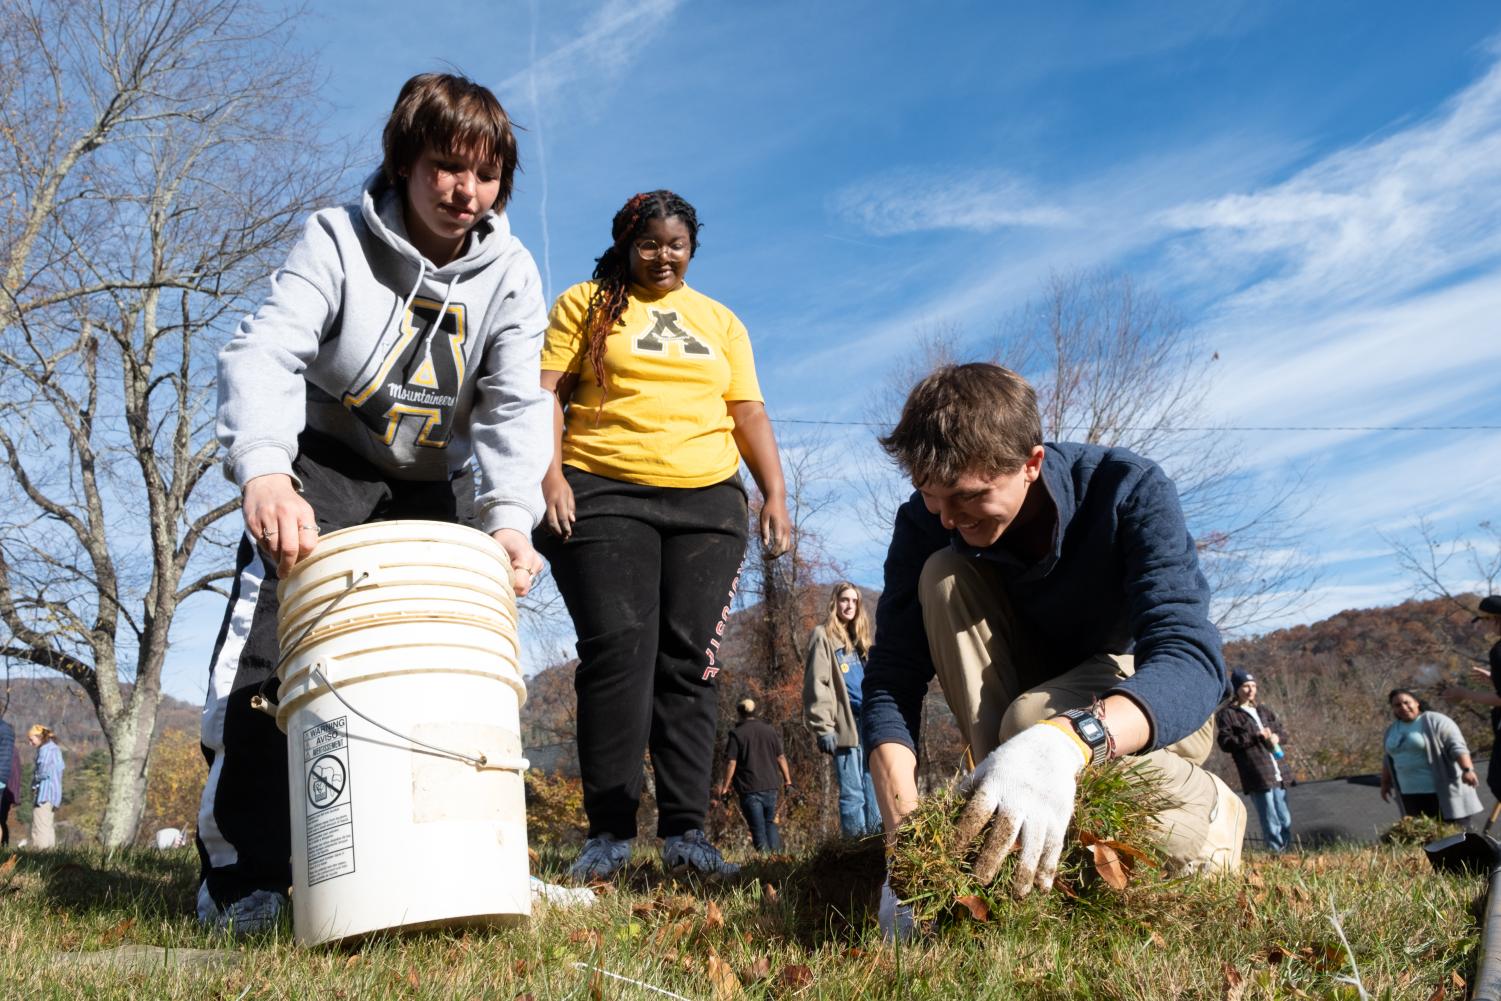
(1026, 786)
(894, 917)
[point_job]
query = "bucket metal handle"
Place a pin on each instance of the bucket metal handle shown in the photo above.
(259, 700)
(479, 760)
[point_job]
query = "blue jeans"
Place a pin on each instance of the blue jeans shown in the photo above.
(858, 813)
(1276, 822)
(760, 809)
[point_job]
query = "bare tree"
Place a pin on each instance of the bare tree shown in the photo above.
(1451, 570)
(157, 155)
(1430, 563)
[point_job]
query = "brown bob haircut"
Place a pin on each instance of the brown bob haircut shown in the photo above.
(977, 418)
(450, 114)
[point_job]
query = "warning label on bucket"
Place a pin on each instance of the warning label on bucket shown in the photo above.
(330, 819)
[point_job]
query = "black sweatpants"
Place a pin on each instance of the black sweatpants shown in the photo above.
(648, 577)
(244, 827)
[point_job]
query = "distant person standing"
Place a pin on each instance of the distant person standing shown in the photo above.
(11, 780)
(754, 762)
(47, 784)
(1253, 737)
(832, 678)
(1427, 763)
(1490, 607)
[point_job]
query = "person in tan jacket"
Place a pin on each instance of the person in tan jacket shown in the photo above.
(832, 678)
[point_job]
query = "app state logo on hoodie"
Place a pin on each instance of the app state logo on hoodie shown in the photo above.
(419, 378)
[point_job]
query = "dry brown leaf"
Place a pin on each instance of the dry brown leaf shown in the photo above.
(117, 932)
(644, 909)
(1255, 880)
(759, 969)
(795, 976)
(9, 865)
(1107, 862)
(713, 916)
(680, 906)
(520, 967)
(1157, 938)
(596, 986)
(975, 906)
(352, 961)
(1244, 903)
(413, 981)
(532, 856)
(722, 978)
(1235, 984)
(1438, 992)
(672, 934)
(769, 894)
(525, 997)
(589, 935)
(1456, 980)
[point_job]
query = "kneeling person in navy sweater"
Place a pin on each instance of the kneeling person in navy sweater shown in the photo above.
(1055, 591)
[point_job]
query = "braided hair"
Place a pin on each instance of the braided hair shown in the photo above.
(612, 269)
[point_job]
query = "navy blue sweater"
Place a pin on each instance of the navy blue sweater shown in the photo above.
(1122, 577)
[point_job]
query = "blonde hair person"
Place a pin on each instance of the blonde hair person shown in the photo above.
(854, 632)
(832, 678)
(46, 785)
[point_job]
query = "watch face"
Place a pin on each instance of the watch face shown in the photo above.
(1090, 729)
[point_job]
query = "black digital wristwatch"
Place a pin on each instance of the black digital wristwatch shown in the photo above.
(1090, 730)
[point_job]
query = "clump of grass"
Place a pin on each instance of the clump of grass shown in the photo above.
(1112, 840)
(1418, 831)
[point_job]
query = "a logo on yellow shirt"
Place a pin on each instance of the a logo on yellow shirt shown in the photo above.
(666, 336)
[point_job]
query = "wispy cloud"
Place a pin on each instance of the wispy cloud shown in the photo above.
(1369, 223)
(611, 41)
(914, 200)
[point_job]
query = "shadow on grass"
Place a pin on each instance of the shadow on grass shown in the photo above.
(828, 894)
(137, 882)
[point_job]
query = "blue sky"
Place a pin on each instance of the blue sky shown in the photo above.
(1317, 187)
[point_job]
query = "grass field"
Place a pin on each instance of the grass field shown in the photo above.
(83, 924)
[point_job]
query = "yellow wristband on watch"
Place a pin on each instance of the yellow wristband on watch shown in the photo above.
(1065, 727)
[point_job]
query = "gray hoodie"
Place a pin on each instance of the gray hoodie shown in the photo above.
(347, 345)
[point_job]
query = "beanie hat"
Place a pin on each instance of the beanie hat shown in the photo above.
(1238, 678)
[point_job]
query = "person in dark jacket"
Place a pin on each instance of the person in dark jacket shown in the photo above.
(8, 785)
(1253, 737)
(753, 763)
(1056, 593)
(1490, 609)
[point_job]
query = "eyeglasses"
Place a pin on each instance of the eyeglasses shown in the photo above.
(650, 250)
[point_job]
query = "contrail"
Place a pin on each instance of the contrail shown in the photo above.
(531, 79)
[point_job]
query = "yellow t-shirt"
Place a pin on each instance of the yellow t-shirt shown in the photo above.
(670, 368)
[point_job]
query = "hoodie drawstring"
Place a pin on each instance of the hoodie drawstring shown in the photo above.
(427, 339)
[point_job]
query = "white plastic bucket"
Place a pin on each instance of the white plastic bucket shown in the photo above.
(400, 697)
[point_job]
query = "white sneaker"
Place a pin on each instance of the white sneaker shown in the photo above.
(255, 912)
(692, 851)
(602, 857)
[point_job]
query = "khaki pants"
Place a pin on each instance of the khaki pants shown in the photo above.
(982, 654)
(43, 833)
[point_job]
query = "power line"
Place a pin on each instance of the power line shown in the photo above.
(1224, 427)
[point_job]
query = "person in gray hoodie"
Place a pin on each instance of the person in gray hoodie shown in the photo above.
(401, 340)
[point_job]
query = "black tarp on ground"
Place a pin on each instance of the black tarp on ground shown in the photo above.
(1348, 809)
